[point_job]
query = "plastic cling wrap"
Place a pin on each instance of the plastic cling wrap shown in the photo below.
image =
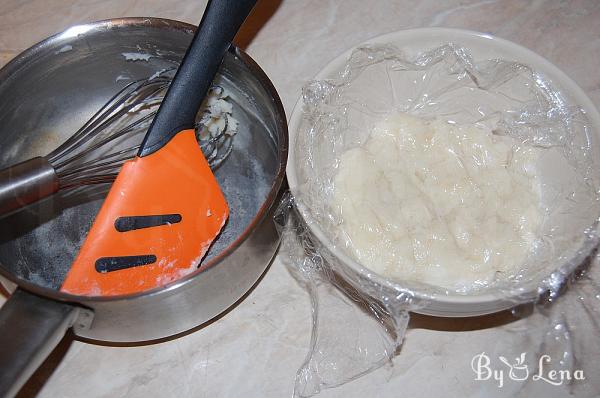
(361, 315)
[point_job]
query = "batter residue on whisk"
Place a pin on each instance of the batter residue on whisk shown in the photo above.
(438, 203)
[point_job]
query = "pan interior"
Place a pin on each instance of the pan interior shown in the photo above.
(58, 85)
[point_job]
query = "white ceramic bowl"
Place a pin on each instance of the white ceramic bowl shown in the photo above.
(481, 46)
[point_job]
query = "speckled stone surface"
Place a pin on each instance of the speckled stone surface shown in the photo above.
(256, 348)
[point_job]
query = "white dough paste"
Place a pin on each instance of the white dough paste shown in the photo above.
(453, 206)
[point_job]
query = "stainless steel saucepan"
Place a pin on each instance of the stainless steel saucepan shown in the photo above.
(49, 91)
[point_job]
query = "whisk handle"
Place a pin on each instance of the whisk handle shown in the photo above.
(220, 23)
(26, 183)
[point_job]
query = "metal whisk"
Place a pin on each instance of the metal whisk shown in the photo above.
(95, 153)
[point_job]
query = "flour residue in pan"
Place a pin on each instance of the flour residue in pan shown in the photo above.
(47, 236)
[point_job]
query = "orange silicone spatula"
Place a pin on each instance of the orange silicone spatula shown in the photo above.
(165, 207)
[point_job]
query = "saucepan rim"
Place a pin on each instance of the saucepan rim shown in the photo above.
(13, 67)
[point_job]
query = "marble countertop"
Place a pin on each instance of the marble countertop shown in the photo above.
(256, 349)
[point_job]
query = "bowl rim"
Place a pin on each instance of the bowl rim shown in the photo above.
(484, 300)
(56, 40)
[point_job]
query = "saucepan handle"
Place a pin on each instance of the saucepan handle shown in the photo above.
(30, 328)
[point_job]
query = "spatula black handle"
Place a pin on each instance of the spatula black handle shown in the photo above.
(220, 23)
